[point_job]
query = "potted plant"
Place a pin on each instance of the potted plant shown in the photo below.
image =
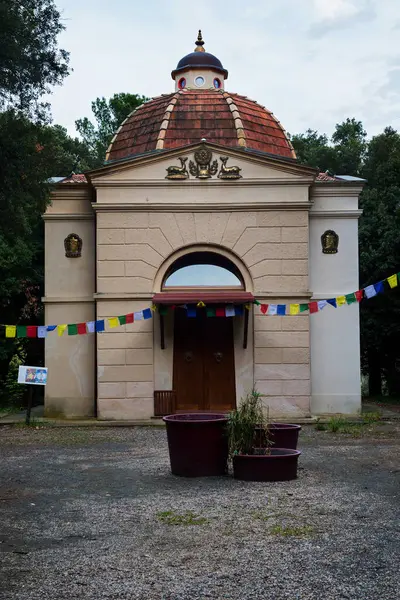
(249, 462)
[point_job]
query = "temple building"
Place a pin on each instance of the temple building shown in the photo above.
(201, 217)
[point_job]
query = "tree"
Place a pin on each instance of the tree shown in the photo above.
(108, 114)
(313, 149)
(343, 154)
(350, 145)
(64, 155)
(24, 195)
(379, 258)
(31, 63)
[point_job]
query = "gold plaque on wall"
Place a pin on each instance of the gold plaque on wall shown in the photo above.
(330, 242)
(73, 246)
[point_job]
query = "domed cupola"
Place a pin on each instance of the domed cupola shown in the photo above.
(199, 70)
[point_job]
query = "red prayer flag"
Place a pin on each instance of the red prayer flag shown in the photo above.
(220, 312)
(264, 308)
(313, 307)
(31, 331)
(129, 318)
(81, 328)
(359, 295)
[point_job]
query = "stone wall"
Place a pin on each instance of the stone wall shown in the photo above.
(132, 247)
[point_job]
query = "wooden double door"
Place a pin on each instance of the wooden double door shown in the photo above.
(204, 363)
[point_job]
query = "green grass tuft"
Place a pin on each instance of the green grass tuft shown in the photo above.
(292, 531)
(170, 517)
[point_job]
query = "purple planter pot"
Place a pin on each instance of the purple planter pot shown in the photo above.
(282, 435)
(198, 444)
(279, 465)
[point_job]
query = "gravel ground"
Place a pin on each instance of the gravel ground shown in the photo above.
(95, 513)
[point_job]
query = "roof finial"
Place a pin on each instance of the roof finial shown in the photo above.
(199, 43)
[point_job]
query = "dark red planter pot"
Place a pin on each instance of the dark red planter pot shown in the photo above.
(279, 465)
(198, 445)
(282, 435)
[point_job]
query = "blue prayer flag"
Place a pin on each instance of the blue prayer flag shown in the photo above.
(147, 313)
(281, 310)
(99, 325)
(332, 302)
(379, 287)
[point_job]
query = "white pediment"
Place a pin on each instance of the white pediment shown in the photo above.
(155, 169)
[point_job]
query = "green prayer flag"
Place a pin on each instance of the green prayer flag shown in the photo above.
(163, 310)
(21, 331)
(257, 303)
(350, 298)
(122, 320)
(210, 312)
(73, 329)
(303, 307)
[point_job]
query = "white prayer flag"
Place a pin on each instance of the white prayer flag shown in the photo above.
(370, 291)
(90, 326)
(322, 304)
(272, 309)
(42, 331)
(229, 310)
(138, 316)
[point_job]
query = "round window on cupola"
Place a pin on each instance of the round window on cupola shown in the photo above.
(199, 81)
(217, 83)
(182, 83)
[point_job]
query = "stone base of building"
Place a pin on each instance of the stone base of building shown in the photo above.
(69, 408)
(336, 404)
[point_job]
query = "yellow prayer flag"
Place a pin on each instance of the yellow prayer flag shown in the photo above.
(11, 331)
(340, 300)
(153, 308)
(61, 329)
(392, 280)
(294, 309)
(113, 322)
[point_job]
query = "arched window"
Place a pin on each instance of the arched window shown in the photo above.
(203, 270)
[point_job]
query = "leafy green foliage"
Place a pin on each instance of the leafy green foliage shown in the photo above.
(30, 61)
(343, 154)
(108, 114)
(24, 195)
(14, 391)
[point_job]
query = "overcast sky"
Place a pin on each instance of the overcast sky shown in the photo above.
(312, 62)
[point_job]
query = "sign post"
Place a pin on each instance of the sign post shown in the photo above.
(31, 376)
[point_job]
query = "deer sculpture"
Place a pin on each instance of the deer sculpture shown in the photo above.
(175, 172)
(228, 172)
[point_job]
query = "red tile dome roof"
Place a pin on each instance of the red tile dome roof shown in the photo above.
(187, 116)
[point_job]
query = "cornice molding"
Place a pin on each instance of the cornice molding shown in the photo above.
(73, 191)
(68, 217)
(190, 207)
(67, 300)
(335, 214)
(131, 296)
(336, 190)
(196, 183)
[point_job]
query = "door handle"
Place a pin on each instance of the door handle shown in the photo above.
(218, 356)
